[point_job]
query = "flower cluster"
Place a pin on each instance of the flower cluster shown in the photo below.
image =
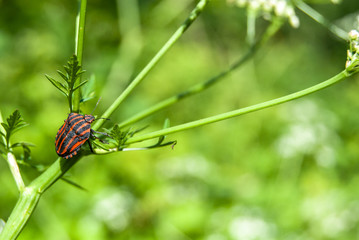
(268, 8)
(352, 63)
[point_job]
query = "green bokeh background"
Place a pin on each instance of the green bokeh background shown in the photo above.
(289, 172)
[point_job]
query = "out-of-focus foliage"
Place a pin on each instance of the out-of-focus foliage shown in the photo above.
(288, 172)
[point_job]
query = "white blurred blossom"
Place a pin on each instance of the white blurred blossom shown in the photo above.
(113, 208)
(280, 8)
(330, 213)
(189, 165)
(352, 63)
(336, 1)
(251, 228)
(310, 130)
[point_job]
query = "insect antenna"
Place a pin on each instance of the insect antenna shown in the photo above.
(95, 106)
(102, 118)
(94, 110)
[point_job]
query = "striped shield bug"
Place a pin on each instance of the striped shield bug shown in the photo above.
(73, 134)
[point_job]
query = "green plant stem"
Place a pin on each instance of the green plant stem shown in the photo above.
(21, 213)
(79, 47)
(30, 196)
(11, 160)
(14, 168)
(337, 78)
(251, 25)
(321, 19)
(270, 31)
(80, 31)
(191, 91)
(192, 17)
(53, 173)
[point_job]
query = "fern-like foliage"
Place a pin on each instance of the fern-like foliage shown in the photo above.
(13, 123)
(71, 78)
(119, 138)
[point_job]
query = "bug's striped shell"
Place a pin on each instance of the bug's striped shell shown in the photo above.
(73, 134)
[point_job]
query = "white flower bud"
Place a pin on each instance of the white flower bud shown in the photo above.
(294, 21)
(280, 7)
(241, 3)
(289, 11)
(353, 35)
(336, 1)
(267, 6)
(356, 47)
(255, 5)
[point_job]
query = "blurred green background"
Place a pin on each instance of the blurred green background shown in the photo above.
(289, 172)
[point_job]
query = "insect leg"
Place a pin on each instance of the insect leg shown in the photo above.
(92, 134)
(90, 146)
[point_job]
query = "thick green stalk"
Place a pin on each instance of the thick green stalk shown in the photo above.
(192, 17)
(24, 207)
(30, 196)
(79, 47)
(337, 78)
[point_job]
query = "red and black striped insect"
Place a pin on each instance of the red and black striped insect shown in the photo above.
(73, 134)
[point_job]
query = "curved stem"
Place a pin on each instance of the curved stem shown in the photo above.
(321, 19)
(192, 17)
(337, 78)
(189, 92)
(270, 31)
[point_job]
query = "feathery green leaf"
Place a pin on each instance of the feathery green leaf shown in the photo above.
(82, 83)
(14, 123)
(58, 85)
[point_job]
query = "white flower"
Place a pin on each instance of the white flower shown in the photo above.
(294, 21)
(280, 7)
(265, 8)
(353, 35)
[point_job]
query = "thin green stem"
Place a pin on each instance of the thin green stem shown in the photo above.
(79, 47)
(14, 167)
(337, 78)
(251, 25)
(189, 92)
(80, 31)
(270, 31)
(2, 129)
(192, 17)
(70, 102)
(321, 19)
(11, 160)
